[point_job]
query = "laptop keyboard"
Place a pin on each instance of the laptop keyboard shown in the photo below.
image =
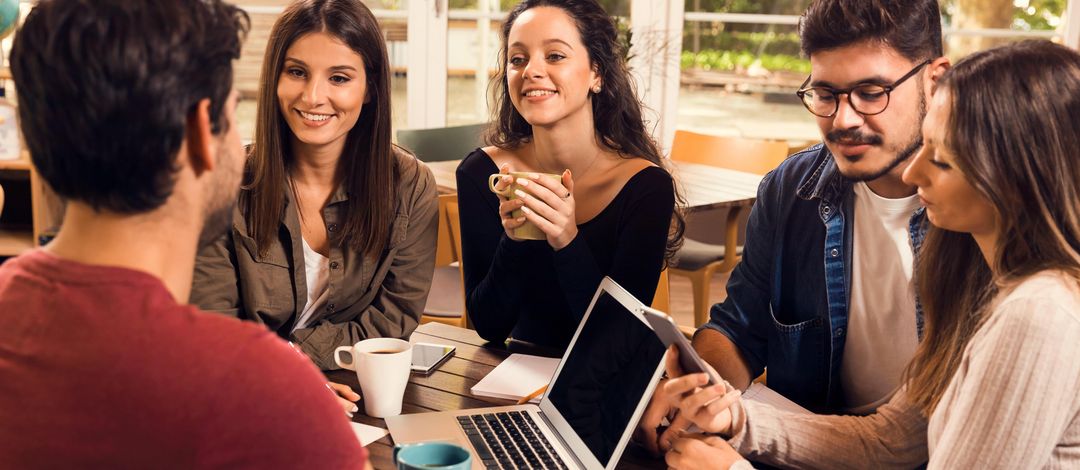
(509, 440)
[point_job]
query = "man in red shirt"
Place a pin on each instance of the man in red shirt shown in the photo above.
(128, 111)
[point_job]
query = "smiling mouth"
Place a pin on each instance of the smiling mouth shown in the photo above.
(315, 117)
(533, 93)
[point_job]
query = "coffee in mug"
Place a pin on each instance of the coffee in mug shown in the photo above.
(527, 231)
(382, 367)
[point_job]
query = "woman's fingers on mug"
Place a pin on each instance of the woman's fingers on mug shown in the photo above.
(545, 189)
(511, 223)
(507, 207)
(539, 221)
(540, 207)
(502, 184)
(568, 182)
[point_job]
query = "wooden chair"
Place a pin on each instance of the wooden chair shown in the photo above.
(442, 143)
(700, 261)
(446, 300)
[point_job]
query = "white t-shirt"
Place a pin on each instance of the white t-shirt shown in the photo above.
(317, 273)
(881, 331)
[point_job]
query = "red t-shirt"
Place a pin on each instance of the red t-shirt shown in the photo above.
(100, 367)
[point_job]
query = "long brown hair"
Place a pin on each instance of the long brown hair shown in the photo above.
(1014, 127)
(621, 129)
(367, 165)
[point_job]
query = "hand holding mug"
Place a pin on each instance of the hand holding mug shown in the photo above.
(507, 206)
(543, 191)
(549, 205)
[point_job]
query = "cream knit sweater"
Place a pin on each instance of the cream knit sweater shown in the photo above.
(1013, 403)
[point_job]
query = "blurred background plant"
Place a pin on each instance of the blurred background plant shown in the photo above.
(713, 46)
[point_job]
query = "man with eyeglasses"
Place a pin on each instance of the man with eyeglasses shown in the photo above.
(823, 298)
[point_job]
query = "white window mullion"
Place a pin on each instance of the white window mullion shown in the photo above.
(1072, 24)
(657, 27)
(426, 80)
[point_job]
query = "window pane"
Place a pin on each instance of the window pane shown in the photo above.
(739, 76)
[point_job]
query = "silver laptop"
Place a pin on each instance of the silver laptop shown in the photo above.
(591, 407)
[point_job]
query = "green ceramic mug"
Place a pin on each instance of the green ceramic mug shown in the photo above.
(527, 231)
(431, 455)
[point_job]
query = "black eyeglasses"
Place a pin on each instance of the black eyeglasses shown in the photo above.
(867, 99)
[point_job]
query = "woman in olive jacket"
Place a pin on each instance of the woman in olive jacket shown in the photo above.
(334, 233)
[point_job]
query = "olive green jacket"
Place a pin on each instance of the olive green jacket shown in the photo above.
(368, 298)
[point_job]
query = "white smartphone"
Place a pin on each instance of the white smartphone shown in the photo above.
(427, 357)
(669, 334)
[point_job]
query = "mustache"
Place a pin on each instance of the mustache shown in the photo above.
(852, 137)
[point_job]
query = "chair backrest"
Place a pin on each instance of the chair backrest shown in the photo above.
(445, 250)
(442, 143)
(453, 217)
(749, 155)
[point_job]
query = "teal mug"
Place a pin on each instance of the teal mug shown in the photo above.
(431, 455)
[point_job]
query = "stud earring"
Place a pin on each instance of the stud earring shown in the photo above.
(596, 90)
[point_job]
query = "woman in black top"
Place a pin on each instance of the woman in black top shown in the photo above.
(565, 106)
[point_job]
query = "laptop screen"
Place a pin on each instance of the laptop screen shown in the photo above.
(607, 370)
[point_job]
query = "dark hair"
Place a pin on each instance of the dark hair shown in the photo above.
(367, 164)
(911, 27)
(622, 128)
(1014, 127)
(105, 88)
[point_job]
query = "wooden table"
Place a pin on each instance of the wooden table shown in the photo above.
(448, 389)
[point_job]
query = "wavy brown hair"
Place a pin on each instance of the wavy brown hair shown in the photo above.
(622, 128)
(1014, 127)
(367, 165)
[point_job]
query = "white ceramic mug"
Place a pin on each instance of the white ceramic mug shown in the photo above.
(382, 366)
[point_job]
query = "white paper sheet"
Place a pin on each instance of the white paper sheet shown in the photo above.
(367, 434)
(518, 376)
(761, 394)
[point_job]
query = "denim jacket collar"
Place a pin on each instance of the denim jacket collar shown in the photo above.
(825, 183)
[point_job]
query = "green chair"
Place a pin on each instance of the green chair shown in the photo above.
(442, 143)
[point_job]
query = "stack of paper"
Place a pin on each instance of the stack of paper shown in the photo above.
(518, 376)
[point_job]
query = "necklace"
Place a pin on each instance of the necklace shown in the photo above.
(576, 175)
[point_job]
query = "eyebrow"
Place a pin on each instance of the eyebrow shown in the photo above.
(875, 80)
(546, 42)
(334, 68)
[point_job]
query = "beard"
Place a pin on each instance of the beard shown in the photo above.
(219, 207)
(217, 222)
(853, 136)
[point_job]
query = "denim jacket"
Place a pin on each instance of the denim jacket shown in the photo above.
(787, 304)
